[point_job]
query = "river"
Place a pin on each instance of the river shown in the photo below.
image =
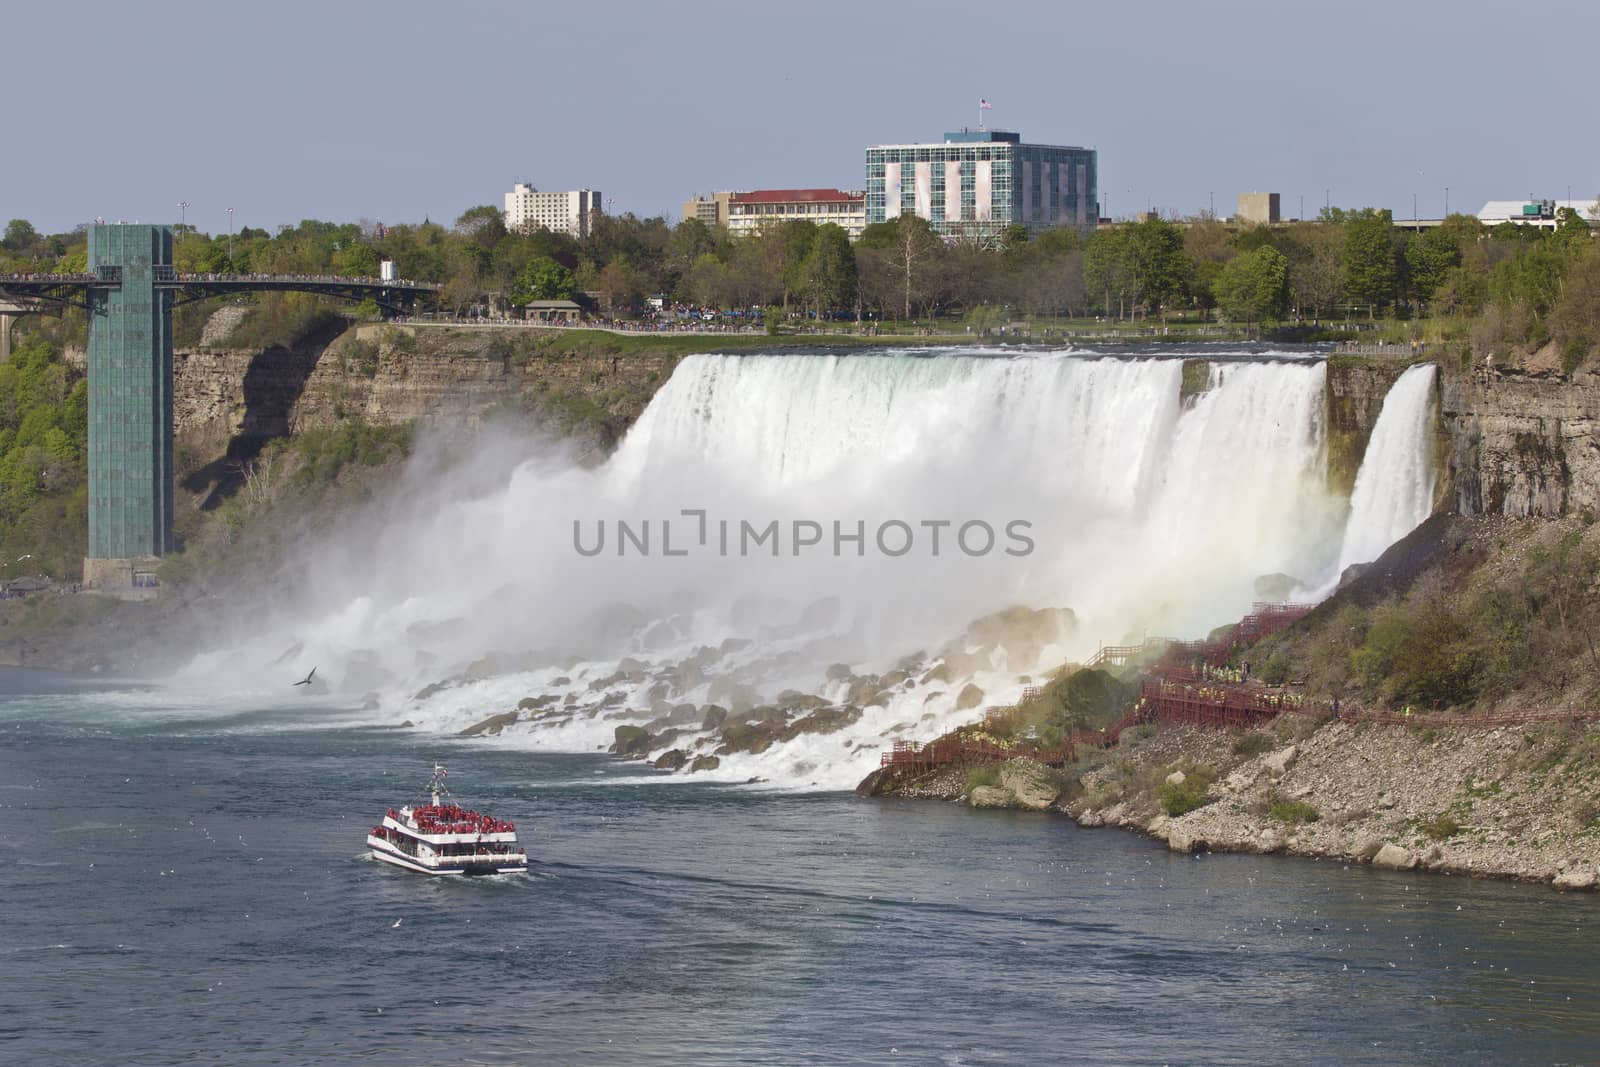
(184, 885)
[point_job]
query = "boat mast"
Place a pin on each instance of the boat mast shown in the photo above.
(438, 783)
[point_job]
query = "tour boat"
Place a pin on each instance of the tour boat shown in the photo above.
(443, 838)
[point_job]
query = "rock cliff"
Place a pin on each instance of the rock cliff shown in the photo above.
(1524, 441)
(393, 374)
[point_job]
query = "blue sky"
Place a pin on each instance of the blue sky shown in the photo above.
(400, 110)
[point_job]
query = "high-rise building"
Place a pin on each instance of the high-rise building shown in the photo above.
(572, 212)
(977, 182)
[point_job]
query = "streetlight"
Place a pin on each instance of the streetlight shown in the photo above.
(1447, 201)
(230, 239)
(183, 207)
(1213, 197)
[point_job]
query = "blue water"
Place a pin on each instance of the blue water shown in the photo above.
(190, 888)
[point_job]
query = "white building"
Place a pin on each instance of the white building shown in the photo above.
(572, 212)
(1540, 213)
(749, 212)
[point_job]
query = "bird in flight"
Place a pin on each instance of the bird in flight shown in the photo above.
(307, 679)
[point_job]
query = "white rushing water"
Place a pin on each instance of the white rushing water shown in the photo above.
(1394, 487)
(1140, 513)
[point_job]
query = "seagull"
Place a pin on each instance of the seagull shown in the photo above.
(395, 924)
(307, 679)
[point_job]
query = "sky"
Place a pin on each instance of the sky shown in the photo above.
(400, 111)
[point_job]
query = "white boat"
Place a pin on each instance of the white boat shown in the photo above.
(444, 838)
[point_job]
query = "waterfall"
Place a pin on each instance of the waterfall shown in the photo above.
(1139, 513)
(1394, 487)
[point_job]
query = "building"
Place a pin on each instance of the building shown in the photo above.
(749, 212)
(572, 212)
(1259, 209)
(1541, 213)
(977, 182)
(711, 210)
(130, 405)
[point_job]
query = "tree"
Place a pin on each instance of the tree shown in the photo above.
(830, 270)
(542, 279)
(1368, 263)
(1254, 286)
(906, 250)
(20, 236)
(1160, 270)
(1108, 266)
(1317, 275)
(1429, 257)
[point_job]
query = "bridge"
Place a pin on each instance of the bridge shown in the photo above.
(129, 292)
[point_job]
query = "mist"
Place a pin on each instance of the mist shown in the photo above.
(479, 579)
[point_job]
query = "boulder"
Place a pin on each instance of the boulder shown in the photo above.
(838, 672)
(671, 760)
(491, 726)
(992, 796)
(1278, 763)
(712, 717)
(1157, 827)
(822, 721)
(533, 703)
(704, 763)
(428, 690)
(1575, 878)
(1091, 819)
(794, 700)
(632, 742)
(1177, 778)
(1270, 840)
(1395, 858)
(970, 697)
(893, 679)
(1029, 783)
(1180, 839)
(1366, 846)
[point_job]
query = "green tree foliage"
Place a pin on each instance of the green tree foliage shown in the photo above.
(1429, 258)
(1369, 273)
(829, 276)
(1254, 286)
(44, 429)
(542, 278)
(20, 236)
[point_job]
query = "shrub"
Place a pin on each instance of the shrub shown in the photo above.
(982, 775)
(1276, 672)
(1186, 795)
(1441, 827)
(1252, 744)
(1292, 812)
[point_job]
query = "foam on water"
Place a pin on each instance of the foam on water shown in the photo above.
(1148, 514)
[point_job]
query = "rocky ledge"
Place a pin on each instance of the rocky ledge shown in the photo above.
(1515, 803)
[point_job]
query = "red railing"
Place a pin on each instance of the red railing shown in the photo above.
(1177, 692)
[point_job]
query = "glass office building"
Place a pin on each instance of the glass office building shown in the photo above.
(977, 182)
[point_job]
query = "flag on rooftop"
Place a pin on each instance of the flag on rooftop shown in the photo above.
(985, 105)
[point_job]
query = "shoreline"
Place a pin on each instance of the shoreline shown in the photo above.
(1509, 804)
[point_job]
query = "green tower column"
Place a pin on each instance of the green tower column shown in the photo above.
(130, 403)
